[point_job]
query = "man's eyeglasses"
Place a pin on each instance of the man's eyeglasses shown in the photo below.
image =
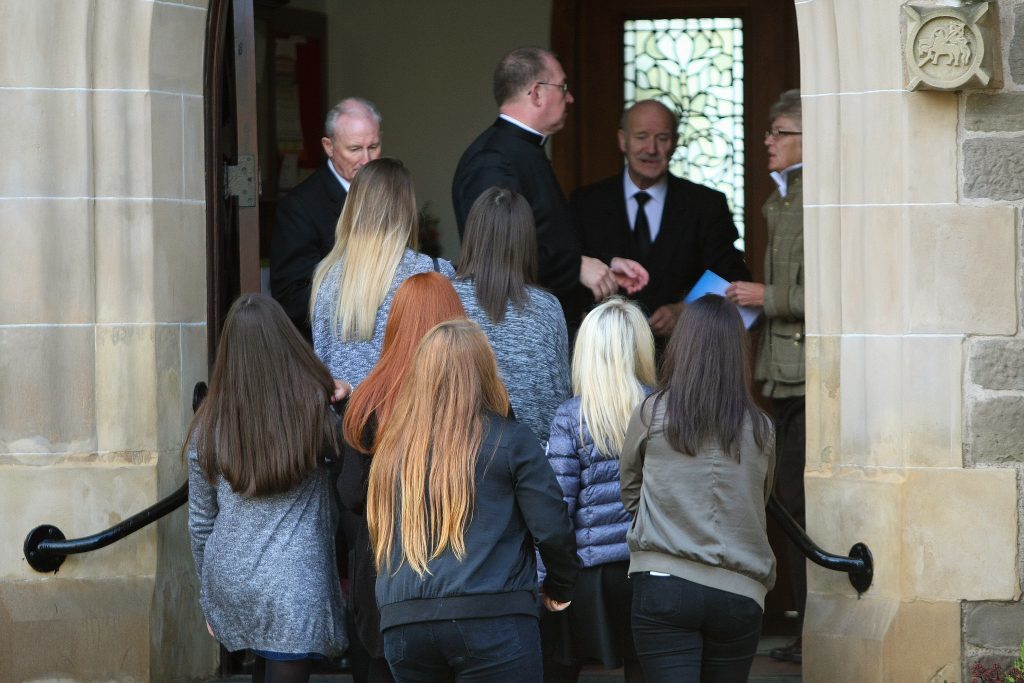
(776, 133)
(564, 87)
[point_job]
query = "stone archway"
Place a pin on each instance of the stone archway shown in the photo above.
(102, 330)
(904, 278)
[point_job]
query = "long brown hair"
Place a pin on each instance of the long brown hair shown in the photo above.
(706, 379)
(266, 418)
(377, 224)
(420, 303)
(422, 476)
(499, 251)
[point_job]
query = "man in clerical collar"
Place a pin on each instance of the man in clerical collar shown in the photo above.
(532, 94)
(304, 227)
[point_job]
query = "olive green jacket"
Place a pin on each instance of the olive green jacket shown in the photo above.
(780, 363)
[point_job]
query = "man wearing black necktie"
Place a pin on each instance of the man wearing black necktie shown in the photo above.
(674, 228)
(532, 95)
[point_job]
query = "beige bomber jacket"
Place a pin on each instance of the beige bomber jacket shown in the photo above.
(698, 517)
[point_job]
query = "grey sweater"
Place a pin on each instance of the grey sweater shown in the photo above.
(353, 360)
(267, 573)
(699, 517)
(532, 349)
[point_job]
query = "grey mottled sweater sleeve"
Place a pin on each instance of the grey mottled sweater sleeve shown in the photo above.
(202, 508)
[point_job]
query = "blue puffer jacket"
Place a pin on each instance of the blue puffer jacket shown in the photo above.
(590, 487)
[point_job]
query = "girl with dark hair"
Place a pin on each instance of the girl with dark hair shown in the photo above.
(458, 495)
(260, 516)
(524, 324)
(424, 300)
(697, 469)
(612, 372)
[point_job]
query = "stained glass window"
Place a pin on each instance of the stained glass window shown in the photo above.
(695, 67)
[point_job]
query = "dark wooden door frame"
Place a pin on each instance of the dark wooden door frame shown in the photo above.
(587, 36)
(232, 230)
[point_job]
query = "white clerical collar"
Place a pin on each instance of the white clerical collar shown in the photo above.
(657, 191)
(515, 122)
(344, 183)
(781, 178)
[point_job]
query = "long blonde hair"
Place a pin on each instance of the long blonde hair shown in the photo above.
(378, 223)
(422, 476)
(612, 361)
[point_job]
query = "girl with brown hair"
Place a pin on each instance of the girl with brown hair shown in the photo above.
(458, 494)
(260, 516)
(496, 280)
(422, 301)
(697, 469)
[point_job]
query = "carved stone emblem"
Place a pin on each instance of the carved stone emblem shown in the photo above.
(945, 48)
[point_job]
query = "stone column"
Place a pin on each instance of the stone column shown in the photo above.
(102, 330)
(901, 274)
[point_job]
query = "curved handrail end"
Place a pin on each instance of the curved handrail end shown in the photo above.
(43, 562)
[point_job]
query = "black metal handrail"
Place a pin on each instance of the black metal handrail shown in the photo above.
(859, 566)
(46, 547)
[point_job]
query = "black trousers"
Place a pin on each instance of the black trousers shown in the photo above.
(790, 454)
(689, 633)
(492, 650)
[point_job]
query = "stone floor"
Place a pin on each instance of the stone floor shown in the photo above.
(765, 669)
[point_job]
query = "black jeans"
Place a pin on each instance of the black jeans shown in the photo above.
(686, 632)
(497, 649)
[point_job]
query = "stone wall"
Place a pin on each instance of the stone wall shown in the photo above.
(908, 278)
(102, 330)
(992, 134)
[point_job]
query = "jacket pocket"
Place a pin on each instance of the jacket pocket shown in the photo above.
(787, 353)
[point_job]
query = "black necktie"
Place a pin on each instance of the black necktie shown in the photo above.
(641, 228)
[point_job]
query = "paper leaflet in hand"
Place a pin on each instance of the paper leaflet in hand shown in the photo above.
(711, 283)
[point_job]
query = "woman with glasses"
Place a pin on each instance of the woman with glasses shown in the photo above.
(780, 361)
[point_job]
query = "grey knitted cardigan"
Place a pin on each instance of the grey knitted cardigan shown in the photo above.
(353, 360)
(267, 573)
(532, 348)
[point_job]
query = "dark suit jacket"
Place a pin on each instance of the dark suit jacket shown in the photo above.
(304, 230)
(696, 234)
(508, 156)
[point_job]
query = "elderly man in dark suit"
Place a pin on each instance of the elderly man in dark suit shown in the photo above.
(674, 228)
(306, 218)
(532, 95)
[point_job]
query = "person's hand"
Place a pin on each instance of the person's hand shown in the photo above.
(663, 321)
(341, 390)
(746, 293)
(629, 274)
(553, 605)
(598, 278)
(210, 630)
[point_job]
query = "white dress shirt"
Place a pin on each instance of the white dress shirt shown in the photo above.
(654, 207)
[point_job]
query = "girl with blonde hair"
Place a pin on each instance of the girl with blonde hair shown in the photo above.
(458, 495)
(612, 373)
(374, 252)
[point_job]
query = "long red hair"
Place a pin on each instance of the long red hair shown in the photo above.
(421, 302)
